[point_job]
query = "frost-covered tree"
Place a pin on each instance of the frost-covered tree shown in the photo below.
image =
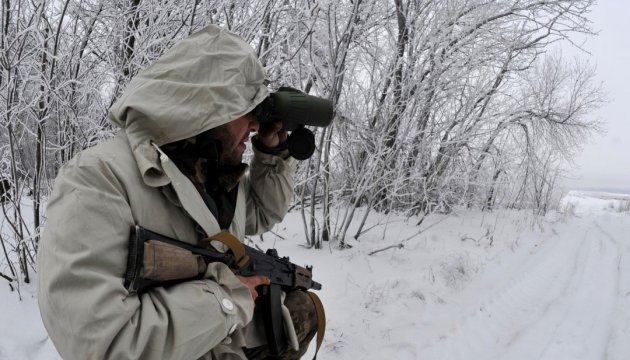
(437, 103)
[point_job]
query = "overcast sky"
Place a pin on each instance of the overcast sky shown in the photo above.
(605, 160)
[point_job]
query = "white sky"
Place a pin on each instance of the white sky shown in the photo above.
(605, 161)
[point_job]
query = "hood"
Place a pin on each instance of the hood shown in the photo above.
(204, 81)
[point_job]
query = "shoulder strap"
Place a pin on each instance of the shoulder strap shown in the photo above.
(234, 244)
(321, 320)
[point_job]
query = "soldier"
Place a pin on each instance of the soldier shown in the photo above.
(175, 168)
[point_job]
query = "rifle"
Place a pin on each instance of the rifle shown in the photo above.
(157, 260)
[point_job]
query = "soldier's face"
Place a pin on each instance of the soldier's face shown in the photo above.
(233, 137)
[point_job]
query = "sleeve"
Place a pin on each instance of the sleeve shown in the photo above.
(270, 185)
(86, 309)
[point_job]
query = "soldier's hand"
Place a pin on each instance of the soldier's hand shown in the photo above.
(252, 281)
(271, 134)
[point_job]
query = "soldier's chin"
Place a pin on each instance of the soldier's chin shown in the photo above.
(234, 158)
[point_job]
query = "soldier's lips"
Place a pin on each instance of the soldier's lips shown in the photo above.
(242, 145)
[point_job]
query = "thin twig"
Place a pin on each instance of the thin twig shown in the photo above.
(9, 279)
(281, 237)
(399, 246)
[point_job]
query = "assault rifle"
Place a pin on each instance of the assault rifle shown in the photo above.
(157, 260)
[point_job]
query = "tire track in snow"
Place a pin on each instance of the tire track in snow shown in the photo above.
(577, 325)
(560, 306)
(618, 346)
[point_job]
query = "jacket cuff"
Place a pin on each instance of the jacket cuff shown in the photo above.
(273, 163)
(232, 296)
(281, 150)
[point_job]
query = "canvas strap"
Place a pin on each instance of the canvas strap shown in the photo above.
(321, 321)
(234, 244)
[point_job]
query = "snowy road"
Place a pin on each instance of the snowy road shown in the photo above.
(563, 301)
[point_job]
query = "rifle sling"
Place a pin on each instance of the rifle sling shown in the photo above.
(234, 244)
(321, 321)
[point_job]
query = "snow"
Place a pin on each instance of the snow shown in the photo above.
(471, 285)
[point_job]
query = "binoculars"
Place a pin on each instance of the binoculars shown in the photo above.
(296, 110)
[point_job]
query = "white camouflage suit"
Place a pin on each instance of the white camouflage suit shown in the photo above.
(207, 80)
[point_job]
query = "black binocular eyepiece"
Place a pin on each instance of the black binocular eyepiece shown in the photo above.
(296, 110)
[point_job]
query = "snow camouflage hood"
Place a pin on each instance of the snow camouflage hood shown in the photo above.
(204, 81)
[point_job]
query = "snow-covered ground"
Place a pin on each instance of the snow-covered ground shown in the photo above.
(501, 285)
